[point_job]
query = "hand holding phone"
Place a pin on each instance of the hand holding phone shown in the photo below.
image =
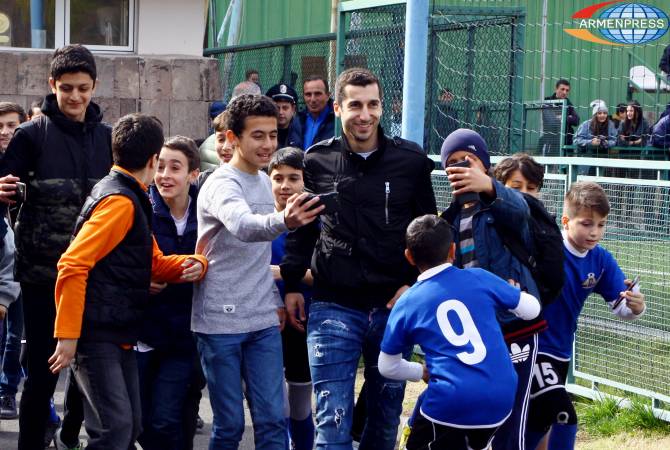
(465, 197)
(621, 298)
(329, 200)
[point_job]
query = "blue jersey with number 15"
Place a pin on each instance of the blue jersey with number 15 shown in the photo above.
(452, 316)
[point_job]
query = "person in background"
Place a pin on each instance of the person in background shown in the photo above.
(634, 130)
(167, 357)
(317, 122)
(599, 132)
(552, 116)
(288, 125)
(11, 308)
(35, 110)
(286, 173)
(619, 115)
(253, 76)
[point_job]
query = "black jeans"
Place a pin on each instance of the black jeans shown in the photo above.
(107, 378)
(39, 311)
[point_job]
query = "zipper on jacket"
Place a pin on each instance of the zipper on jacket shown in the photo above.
(387, 185)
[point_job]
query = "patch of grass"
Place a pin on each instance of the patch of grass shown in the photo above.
(606, 417)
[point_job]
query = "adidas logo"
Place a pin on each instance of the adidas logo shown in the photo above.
(518, 354)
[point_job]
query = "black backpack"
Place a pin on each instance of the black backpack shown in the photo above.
(546, 260)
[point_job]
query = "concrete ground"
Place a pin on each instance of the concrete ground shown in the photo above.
(9, 429)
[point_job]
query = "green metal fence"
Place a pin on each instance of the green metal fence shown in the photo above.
(287, 61)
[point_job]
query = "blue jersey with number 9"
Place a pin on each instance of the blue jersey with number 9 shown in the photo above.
(452, 316)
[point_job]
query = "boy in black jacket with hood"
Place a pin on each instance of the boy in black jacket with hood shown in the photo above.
(59, 157)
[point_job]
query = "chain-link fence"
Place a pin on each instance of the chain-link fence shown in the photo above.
(375, 39)
(288, 61)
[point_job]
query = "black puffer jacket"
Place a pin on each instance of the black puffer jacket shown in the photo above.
(60, 160)
(359, 260)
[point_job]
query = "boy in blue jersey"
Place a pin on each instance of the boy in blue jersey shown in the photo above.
(451, 314)
(589, 268)
(286, 174)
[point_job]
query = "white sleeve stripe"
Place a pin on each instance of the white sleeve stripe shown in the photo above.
(396, 368)
(528, 307)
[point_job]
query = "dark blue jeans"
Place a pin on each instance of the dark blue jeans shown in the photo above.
(256, 358)
(12, 372)
(165, 380)
(336, 338)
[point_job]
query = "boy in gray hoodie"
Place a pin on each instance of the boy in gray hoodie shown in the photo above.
(237, 312)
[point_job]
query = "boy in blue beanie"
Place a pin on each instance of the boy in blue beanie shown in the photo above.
(482, 206)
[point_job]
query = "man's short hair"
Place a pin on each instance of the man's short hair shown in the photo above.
(355, 76)
(621, 108)
(249, 73)
(562, 81)
(315, 77)
(586, 195)
(72, 59)
(428, 238)
(248, 106)
(136, 138)
(11, 107)
(220, 122)
(187, 146)
(288, 156)
(245, 88)
(524, 163)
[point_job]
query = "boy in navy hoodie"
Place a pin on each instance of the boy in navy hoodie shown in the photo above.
(166, 352)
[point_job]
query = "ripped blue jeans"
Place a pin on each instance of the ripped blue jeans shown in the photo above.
(336, 337)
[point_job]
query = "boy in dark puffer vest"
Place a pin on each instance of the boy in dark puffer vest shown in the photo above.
(102, 289)
(170, 374)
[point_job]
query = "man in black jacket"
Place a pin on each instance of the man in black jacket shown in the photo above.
(358, 264)
(551, 119)
(59, 156)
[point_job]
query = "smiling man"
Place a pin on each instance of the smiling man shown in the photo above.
(359, 266)
(317, 122)
(60, 156)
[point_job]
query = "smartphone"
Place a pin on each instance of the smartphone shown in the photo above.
(618, 301)
(465, 197)
(329, 199)
(20, 195)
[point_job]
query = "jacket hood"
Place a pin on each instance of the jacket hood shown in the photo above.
(92, 118)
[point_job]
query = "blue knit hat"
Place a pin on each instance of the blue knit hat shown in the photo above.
(467, 141)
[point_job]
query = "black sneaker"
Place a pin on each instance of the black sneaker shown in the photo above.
(8, 407)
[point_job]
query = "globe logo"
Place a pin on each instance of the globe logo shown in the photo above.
(633, 23)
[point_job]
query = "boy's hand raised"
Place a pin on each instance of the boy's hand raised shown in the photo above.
(469, 179)
(193, 270)
(64, 354)
(296, 213)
